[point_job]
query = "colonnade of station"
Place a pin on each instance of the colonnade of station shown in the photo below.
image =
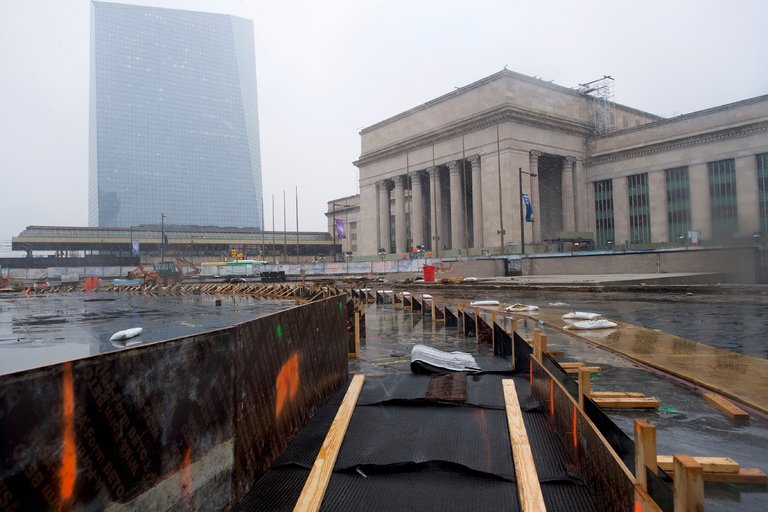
(446, 203)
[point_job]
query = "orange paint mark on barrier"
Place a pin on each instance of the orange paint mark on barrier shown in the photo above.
(638, 506)
(68, 468)
(551, 397)
(287, 382)
(575, 435)
(186, 476)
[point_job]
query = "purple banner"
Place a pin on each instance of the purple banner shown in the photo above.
(340, 233)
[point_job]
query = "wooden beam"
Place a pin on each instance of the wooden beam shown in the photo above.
(528, 487)
(726, 406)
(592, 369)
(645, 451)
(585, 385)
(314, 489)
(644, 502)
(357, 334)
(708, 464)
(647, 402)
(616, 394)
(744, 476)
(689, 486)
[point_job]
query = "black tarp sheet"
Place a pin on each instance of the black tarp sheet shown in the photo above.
(404, 452)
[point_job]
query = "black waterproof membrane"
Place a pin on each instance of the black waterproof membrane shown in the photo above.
(403, 451)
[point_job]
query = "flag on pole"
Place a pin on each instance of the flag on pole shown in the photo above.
(134, 247)
(528, 208)
(165, 239)
(340, 229)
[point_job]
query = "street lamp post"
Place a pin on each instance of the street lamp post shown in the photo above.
(348, 257)
(162, 235)
(333, 228)
(520, 173)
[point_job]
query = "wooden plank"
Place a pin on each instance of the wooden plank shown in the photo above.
(585, 385)
(314, 488)
(645, 451)
(628, 403)
(592, 369)
(689, 487)
(357, 333)
(726, 406)
(565, 365)
(616, 394)
(744, 476)
(528, 487)
(644, 502)
(708, 464)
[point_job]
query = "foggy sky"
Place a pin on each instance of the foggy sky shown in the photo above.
(327, 69)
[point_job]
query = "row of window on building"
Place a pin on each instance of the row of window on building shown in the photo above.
(723, 203)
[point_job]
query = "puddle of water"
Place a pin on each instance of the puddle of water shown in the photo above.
(40, 330)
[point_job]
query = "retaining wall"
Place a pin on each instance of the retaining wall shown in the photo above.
(736, 265)
(183, 424)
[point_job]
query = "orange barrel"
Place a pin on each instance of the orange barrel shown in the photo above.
(429, 273)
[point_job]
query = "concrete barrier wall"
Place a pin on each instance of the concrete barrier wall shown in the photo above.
(184, 424)
(737, 265)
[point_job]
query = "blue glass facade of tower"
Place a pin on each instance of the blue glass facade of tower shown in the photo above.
(173, 119)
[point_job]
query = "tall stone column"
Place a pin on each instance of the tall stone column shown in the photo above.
(533, 166)
(399, 214)
(569, 214)
(435, 209)
(445, 211)
(477, 202)
(698, 179)
(747, 193)
(620, 211)
(581, 197)
(417, 208)
(383, 189)
(657, 199)
(458, 229)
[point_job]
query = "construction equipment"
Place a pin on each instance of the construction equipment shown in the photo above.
(183, 264)
(170, 272)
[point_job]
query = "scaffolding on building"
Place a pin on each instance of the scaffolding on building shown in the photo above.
(601, 91)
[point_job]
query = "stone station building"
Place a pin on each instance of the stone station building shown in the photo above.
(448, 175)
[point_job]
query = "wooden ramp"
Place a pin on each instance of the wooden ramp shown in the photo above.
(742, 378)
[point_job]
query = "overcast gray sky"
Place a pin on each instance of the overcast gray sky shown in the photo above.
(325, 69)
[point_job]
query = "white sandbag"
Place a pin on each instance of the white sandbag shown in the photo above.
(592, 324)
(126, 334)
(522, 307)
(580, 315)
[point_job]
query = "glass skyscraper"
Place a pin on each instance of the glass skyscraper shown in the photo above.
(173, 119)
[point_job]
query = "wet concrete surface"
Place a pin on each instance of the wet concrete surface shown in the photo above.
(685, 423)
(46, 329)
